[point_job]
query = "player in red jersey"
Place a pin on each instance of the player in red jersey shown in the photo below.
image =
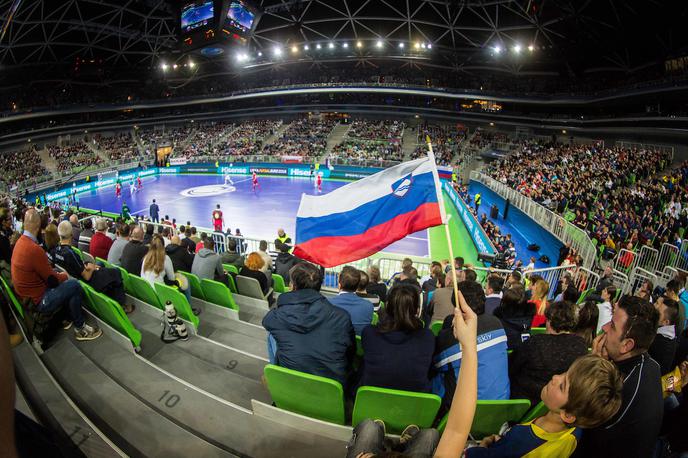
(138, 183)
(255, 181)
(217, 219)
(118, 190)
(318, 181)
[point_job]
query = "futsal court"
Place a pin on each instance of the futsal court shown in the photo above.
(257, 214)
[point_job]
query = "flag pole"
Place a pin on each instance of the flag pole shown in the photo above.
(431, 155)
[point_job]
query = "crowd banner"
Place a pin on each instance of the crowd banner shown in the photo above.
(480, 239)
(177, 161)
(292, 159)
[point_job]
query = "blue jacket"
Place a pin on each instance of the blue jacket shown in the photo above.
(312, 336)
(360, 310)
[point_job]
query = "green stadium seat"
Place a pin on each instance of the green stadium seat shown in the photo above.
(178, 299)
(278, 284)
(537, 411)
(359, 347)
(436, 326)
(142, 290)
(231, 268)
(491, 415)
(112, 313)
(536, 331)
(376, 319)
(585, 294)
(232, 284)
(125, 279)
(617, 295)
(396, 408)
(305, 394)
(12, 298)
(79, 252)
(194, 284)
(218, 293)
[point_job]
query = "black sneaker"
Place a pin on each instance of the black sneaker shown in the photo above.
(66, 324)
(87, 332)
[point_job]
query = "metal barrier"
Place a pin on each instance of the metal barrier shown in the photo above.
(647, 258)
(550, 221)
(620, 280)
(637, 278)
(585, 279)
(551, 275)
(682, 260)
(668, 255)
(625, 260)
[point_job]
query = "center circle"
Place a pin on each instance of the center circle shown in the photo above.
(208, 190)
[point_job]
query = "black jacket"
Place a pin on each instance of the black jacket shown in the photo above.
(633, 431)
(663, 350)
(181, 259)
(283, 265)
(132, 256)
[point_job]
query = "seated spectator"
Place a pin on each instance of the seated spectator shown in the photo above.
(100, 242)
(284, 261)
(441, 305)
(376, 285)
(567, 290)
(33, 278)
(361, 291)
(516, 316)
(542, 356)
(157, 267)
(102, 279)
(231, 256)
(148, 236)
(85, 236)
(188, 242)
(406, 262)
(133, 252)
(514, 278)
(74, 221)
(200, 244)
(493, 378)
(181, 258)
(539, 300)
(587, 322)
(252, 268)
(633, 431)
(605, 307)
(436, 279)
(585, 396)
(263, 252)
(663, 348)
(115, 253)
(208, 264)
(408, 275)
(307, 333)
(360, 310)
(493, 293)
(397, 353)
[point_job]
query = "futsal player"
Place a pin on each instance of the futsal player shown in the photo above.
(218, 221)
(255, 181)
(318, 181)
(139, 184)
(132, 188)
(228, 179)
(118, 190)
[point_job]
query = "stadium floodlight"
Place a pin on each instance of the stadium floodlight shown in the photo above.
(330, 45)
(531, 48)
(422, 45)
(294, 49)
(318, 46)
(345, 45)
(277, 51)
(260, 54)
(359, 44)
(175, 66)
(401, 45)
(192, 64)
(497, 49)
(517, 49)
(429, 45)
(164, 67)
(379, 43)
(306, 48)
(417, 45)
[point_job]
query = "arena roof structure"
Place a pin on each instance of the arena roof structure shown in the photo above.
(550, 37)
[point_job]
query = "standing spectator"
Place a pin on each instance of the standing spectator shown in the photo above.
(133, 252)
(397, 353)
(76, 232)
(542, 356)
(360, 310)
(180, 257)
(100, 243)
(306, 332)
(118, 245)
(493, 378)
(539, 300)
(33, 278)
(154, 212)
(634, 430)
(604, 315)
(376, 285)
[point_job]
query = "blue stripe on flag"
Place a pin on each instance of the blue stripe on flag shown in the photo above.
(370, 214)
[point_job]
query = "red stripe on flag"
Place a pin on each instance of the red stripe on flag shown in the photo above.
(334, 251)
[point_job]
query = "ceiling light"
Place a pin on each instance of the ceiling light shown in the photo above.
(345, 45)
(192, 64)
(422, 45)
(401, 45)
(294, 49)
(429, 45)
(517, 49)
(175, 66)
(305, 47)
(379, 43)
(359, 44)
(330, 45)
(277, 51)
(164, 67)
(318, 46)
(417, 45)
(260, 54)
(497, 49)
(531, 48)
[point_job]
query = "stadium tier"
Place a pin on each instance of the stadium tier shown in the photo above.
(343, 229)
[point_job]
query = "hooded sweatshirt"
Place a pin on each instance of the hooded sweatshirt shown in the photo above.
(181, 258)
(312, 335)
(207, 264)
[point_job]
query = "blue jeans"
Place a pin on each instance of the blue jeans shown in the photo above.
(369, 437)
(69, 294)
(272, 349)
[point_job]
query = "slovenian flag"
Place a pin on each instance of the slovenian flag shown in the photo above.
(363, 217)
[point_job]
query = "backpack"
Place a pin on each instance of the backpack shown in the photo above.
(534, 247)
(544, 258)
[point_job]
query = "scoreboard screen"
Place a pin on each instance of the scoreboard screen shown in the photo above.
(240, 17)
(196, 15)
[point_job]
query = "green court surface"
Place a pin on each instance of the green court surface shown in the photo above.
(461, 240)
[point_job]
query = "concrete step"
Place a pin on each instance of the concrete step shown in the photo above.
(337, 135)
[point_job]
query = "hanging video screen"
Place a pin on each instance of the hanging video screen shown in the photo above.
(240, 17)
(196, 15)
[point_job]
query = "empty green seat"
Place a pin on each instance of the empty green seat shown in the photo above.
(109, 311)
(305, 394)
(278, 284)
(218, 293)
(436, 326)
(125, 279)
(178, 299)
(231, 268)
(11, 297)
(491, 415)
(194, 284)
(232, 284)
(536, 331)
(396, 408)
(142, 290)
(537, 411)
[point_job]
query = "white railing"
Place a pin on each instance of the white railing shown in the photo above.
(550, 221)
